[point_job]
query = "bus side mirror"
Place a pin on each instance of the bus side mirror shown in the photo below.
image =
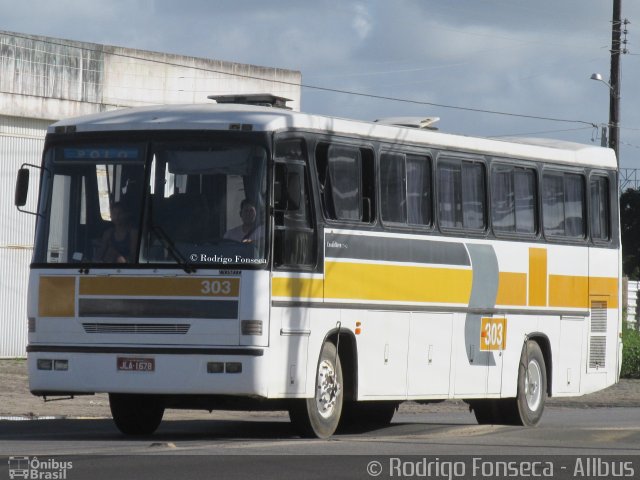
(22, 187)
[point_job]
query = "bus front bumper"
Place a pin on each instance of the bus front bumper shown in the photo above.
(81, 370)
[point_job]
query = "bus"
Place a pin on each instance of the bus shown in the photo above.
(244, 256)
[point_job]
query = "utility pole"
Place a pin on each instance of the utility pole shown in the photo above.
(614, 99)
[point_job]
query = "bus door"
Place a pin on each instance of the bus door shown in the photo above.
(295, 250)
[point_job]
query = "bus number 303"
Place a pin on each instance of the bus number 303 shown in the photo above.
(493, 333)
(216, 287)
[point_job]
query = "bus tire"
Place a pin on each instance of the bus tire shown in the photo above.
(526, 409)
(319, 416)
(136, 414)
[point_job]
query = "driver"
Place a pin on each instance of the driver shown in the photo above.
(250, 230)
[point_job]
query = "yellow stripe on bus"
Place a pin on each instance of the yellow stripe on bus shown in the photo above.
(568, 291)
(160, 287)
(57, 296)
(512, 289)
(365, 281)
(605, 287)
(297, 287)
(538, 277)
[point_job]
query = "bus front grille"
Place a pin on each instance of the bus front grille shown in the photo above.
(141, 328)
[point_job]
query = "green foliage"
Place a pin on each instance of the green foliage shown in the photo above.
(630, 353)
(630, 232)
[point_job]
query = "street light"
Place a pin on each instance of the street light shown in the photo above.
(598, 77)
(614, 112)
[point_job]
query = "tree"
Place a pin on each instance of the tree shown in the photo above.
(630, 226)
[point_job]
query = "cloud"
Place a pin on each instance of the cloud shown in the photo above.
(362, 21)
(510, 55)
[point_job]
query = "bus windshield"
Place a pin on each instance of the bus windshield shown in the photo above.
(194, 204)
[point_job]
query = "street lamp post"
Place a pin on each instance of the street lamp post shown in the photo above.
(614, 114)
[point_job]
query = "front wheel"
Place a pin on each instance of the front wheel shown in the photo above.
(136, 414)
(319, 416)
(526, 409)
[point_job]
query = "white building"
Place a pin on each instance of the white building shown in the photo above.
(44, 79)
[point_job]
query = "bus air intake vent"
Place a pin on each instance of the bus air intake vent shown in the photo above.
(598, 335)
(598, 317)
(137, 328)
(597, 352)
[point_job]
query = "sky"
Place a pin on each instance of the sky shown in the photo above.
(517, 57)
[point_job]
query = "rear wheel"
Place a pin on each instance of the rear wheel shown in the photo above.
(319, 416)
(136, 414)
(526, 409)
(528, 406)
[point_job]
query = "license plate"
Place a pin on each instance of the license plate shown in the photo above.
(128, 364)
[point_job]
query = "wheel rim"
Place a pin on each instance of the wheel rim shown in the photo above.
(327, 389)
(532, 383)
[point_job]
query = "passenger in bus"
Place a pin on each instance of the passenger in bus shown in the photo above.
(250, 230)
(118, 242)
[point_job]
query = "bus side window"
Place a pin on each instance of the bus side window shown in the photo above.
(461, 194)
(513, 200)
(405, 189)
(346, 175)
(563, 205)
(600, 214)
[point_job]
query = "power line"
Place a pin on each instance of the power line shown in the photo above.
(540, 132)
(318, 88)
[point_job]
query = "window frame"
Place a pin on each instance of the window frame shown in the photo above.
(406, 154)
(503, 234)
(562, 171)
(367, 151)
(444, 157)
(603, 174)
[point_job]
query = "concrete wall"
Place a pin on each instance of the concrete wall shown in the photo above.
(21, 141)
(45, 79)
(48, 78)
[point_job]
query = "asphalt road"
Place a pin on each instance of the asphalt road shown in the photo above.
(266, 447)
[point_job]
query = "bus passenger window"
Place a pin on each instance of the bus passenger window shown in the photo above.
(563, 204)
(600, 216)
(405, 189)
(346, 181)
(345, 168)
(393, 195)
(513, 199)
(461, 194)
(419, 190)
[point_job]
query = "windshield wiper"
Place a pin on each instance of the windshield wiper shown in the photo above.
(172, 249)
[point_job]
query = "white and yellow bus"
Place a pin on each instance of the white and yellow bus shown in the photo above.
(223, 256)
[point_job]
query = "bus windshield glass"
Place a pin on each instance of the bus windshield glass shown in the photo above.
(195, 204)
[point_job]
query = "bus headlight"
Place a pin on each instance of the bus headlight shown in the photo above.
(45, 364)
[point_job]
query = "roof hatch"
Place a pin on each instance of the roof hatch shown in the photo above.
(427, 123)
(258, 99)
